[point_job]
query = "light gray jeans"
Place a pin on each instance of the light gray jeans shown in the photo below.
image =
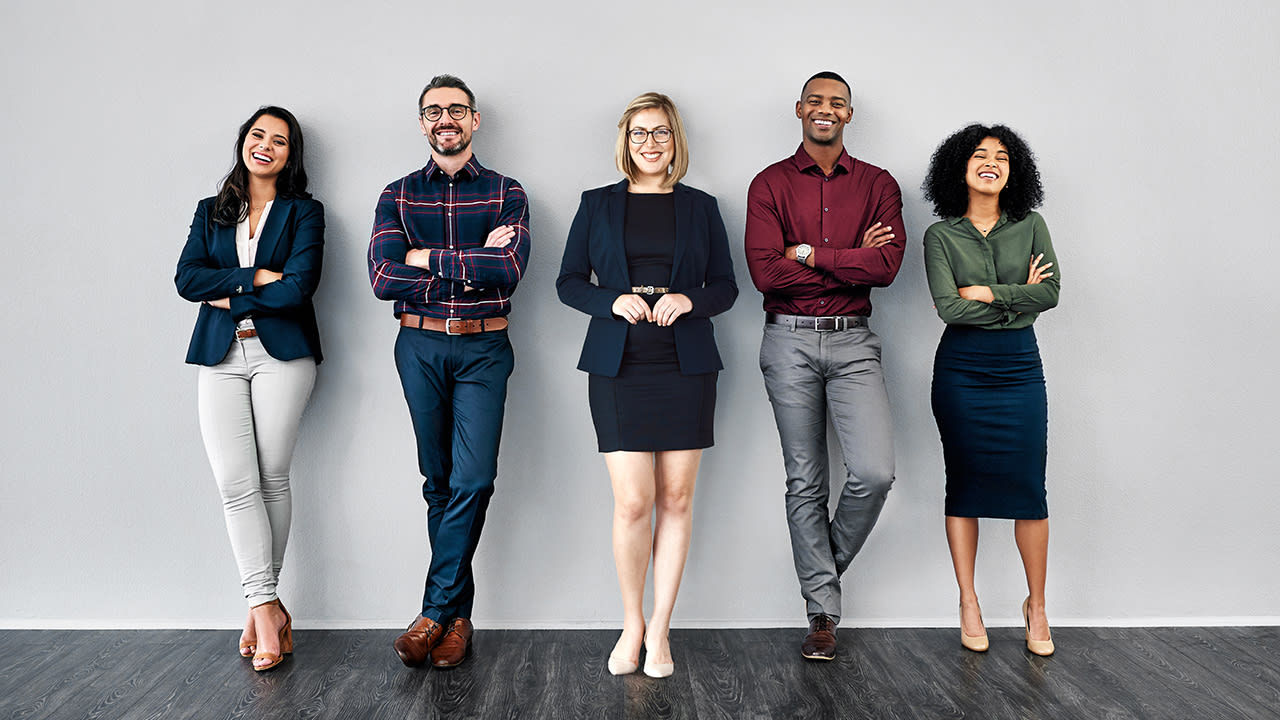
(250, 408)
(808, 374)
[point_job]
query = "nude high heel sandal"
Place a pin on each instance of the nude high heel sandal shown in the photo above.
(286, 641)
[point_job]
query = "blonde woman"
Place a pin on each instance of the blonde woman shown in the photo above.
(662, 269)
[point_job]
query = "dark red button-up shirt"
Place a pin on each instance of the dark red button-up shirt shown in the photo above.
(791, 202)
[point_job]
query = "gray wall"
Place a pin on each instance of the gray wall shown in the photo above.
(1155, 127)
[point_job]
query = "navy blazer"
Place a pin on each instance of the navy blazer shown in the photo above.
(290, 242)
(700, 269)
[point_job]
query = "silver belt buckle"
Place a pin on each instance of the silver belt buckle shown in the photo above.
(647, 289)
(448, 323)
(825, 324)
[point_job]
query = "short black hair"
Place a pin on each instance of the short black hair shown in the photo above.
(945, 185)
(448, 81)
(827, 75)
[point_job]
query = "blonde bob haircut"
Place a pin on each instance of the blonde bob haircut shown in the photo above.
(680, 152)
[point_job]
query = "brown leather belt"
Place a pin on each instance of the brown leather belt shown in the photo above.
(819, 324)
(453, 326)
(246, 334)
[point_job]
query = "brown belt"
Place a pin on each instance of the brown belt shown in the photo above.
(246, 334)
(453, 326)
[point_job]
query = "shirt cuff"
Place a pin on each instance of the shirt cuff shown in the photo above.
(824, 258)
(1001, 297)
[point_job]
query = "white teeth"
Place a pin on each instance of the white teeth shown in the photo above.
(261, 158)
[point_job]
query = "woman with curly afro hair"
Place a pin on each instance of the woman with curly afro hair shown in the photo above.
(991, 271)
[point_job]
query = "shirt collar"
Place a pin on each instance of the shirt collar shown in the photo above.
(470, 171)
(804, 163)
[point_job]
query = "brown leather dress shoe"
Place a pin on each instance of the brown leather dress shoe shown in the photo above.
(454, 646)
(820, 643)
(415, 644)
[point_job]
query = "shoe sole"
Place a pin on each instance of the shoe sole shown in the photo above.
(818, 657)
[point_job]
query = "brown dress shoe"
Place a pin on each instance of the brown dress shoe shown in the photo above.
(820, 643)
(415, 644)
(454, 646)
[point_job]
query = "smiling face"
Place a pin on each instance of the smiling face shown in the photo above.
(652, 159)
(988, 170)
(824, 111)
(266, 147)
(446, 135)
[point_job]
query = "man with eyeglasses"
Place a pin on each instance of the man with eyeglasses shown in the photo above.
(822, 231)
(450, 242)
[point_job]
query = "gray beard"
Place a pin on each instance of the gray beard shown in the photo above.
(447, 152)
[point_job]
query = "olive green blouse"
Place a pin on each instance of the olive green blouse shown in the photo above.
(957, 255)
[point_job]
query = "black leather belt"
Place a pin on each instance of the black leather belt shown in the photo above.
(818, 324)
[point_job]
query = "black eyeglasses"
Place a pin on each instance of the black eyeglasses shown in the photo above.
(639, 135)
(432, 113)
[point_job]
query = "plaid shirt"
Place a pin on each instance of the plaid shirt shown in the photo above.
(452, 217)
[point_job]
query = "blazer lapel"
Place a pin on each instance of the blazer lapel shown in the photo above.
(684, 226)
(224, 245)
(269, 233)
(617, 216)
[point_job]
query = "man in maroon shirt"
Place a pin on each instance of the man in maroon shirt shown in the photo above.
(822, 230)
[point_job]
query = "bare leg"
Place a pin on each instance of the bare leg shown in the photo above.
(962, 539)
(675, 477)
(632, 475)
(1032, 537)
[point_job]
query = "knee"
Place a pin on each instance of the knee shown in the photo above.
(677, 501)
(876, 483)
(275, 488)
(238, 490)
(632, 509)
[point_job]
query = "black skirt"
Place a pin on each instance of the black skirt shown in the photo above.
(650, 407)
(992, 412)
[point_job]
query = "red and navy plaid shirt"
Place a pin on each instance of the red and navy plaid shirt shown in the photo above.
(452, 217)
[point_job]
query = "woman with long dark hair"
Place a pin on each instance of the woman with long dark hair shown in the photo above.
(992, 271)
(252, 261)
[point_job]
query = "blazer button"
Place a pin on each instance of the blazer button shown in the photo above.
(239, 289)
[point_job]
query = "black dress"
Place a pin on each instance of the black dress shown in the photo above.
(650, 405)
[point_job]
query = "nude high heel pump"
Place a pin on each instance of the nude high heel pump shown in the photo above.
(1043, 648)
(976, 643)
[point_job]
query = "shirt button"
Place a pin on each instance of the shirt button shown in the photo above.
(824, 209)
(826, 239)
(822, 302)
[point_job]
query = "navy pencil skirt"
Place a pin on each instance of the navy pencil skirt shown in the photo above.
(992, 412)
(651, 407)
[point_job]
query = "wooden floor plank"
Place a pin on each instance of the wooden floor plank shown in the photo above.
(1211, 673)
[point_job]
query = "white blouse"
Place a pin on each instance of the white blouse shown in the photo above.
(247, 248)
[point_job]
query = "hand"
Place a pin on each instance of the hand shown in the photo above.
(669, 307)
(1036, 274)
(419, 258)
(632, 309)
(263, 276)
(500, 236)
(981, 293)
(223, 303)
(875, 236)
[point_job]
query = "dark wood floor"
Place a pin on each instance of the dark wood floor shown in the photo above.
(1176, 673)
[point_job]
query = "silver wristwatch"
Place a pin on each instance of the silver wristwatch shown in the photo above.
(803, 251)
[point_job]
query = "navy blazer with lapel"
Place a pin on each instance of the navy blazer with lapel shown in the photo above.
(701, 269)
(291, 242)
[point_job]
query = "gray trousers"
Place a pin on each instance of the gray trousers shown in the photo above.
(250, 408)
(807, 375)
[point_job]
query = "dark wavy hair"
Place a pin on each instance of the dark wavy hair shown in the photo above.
(945, 186)
(232, 204)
